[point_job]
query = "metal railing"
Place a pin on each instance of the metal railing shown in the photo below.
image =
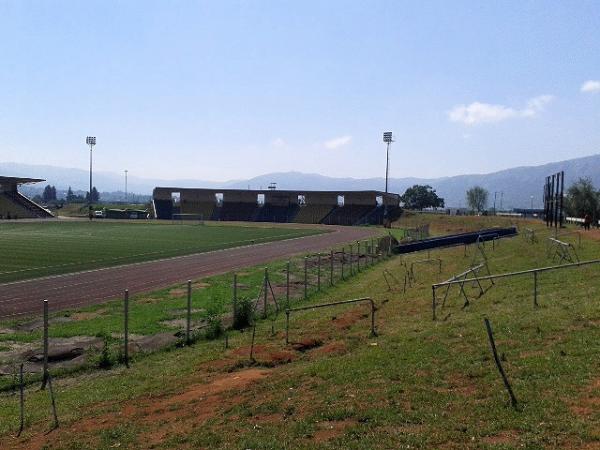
(324, 305)
(492, 277)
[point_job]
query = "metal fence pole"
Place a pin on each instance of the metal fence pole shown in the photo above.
(265, 288)
(287, 285)
(358, 256)
(343, 261)
(21, 401)
(513, 399)
(234, 295)
(535, 289)
(45, 369)
(126, 336)
(305, 277)
(331, 268)
(188, 321)
(351, 262)
(319, 272)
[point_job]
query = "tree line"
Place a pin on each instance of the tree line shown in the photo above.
(581, 199)
(49, 196)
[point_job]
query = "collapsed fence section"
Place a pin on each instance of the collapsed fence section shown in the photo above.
(325, 305)
(491, 277)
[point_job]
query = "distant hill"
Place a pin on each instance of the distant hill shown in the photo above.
(517, 184)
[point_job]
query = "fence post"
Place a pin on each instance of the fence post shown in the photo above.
(513, 399)
(331, 268)
(433, 305)
(305, 277)
(53, 401)
(45, 369)
(351, 262)
(188, 321)
(319, 272)
(21, 401)
(535, 290)
(343, 260)
(126, 335)
(287, 285)
(287, 327)
(265, 288)
(234, 294)
(358, 256)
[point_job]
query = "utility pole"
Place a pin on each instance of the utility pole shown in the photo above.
(91, 141)
(126, 185)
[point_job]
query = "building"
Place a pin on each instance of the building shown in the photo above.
(14, 205)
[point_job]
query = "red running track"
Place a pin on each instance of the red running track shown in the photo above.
(97, 286)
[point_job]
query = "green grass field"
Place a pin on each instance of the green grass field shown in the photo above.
(49, 248)
(418, 384)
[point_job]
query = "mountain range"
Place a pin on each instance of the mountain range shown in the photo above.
(518, 187)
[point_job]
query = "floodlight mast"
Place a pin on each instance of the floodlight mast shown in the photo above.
(388, 139)
(91, 141)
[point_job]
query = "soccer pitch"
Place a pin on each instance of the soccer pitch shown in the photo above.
(31, 250)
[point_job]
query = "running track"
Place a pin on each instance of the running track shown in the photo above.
(96, 286)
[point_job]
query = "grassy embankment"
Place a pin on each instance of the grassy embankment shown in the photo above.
(418, 384)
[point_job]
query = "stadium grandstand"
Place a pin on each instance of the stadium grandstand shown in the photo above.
(326, 207)
(14, 205)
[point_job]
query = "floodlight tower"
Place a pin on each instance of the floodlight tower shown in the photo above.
(388, 139)
(91, 141)
(126, 184)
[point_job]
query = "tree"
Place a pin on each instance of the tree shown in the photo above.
(421, 196)
(477, 198)
(582, 198)
(95, 195)
(49, 194)
(70, 195)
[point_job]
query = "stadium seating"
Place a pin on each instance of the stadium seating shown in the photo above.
(242, 211)
(348, 214)
(275, 213)
(312, 213)
(17, 206)
(201, 210)
(163, 209)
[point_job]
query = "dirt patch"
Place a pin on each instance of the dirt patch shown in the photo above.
(331, 429)
(165, 416)
(307, 344)
(509, 437)
(152, 342)
(331, 348)
(182, 323)
(588, 403)
(266, 355)
(38, 324)
(200, 285)
(88, 315)
(349, 318)
(62, 352)
(461, 384)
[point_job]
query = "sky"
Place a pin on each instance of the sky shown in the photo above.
(225, 90)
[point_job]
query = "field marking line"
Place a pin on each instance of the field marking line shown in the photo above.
(49, 277)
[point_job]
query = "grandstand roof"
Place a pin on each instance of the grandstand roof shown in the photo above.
(19, 180)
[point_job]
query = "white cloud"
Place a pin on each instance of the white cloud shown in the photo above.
(477, 112)
(591, 87)
(278, 142)
(337, 142)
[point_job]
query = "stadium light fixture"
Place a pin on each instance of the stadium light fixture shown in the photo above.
(91, 141)
(388, 138)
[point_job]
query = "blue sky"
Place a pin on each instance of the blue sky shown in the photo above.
(227, 90)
